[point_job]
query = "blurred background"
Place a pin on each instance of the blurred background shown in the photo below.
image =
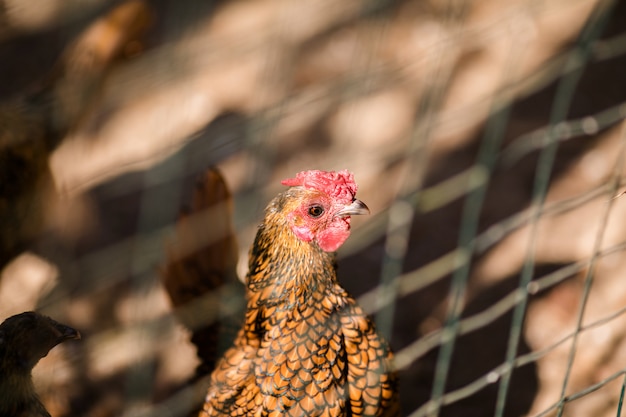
(487, 138)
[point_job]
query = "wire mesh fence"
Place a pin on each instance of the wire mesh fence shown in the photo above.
(487, 138)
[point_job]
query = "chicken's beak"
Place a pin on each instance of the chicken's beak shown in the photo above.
(66, 332)
(355, 208)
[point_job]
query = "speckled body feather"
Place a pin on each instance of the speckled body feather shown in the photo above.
(306, 348)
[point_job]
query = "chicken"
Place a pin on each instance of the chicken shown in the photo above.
(201, 269)
(33, 124)
(306, 348)
(24, 339)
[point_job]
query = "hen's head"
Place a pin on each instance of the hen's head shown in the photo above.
(27, 337)
(321, 212)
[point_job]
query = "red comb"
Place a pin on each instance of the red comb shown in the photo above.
(339, 184)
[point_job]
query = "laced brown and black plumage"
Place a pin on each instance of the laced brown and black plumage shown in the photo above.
(306, 348)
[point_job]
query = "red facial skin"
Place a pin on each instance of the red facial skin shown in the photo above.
(328, 230)
(319, 216)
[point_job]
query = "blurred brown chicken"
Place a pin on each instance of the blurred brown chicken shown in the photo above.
(201, 269)
(33, 124)
(24, 339)
(306, 348)
(200, 277)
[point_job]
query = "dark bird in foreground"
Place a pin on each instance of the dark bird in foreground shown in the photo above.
(25, 339)
(306, 348)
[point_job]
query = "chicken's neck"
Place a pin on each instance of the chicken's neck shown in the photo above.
(286, 271)
(18, 394)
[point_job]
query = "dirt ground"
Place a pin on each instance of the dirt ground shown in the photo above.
(486, 137)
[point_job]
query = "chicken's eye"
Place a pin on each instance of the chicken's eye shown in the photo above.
(316, 211)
